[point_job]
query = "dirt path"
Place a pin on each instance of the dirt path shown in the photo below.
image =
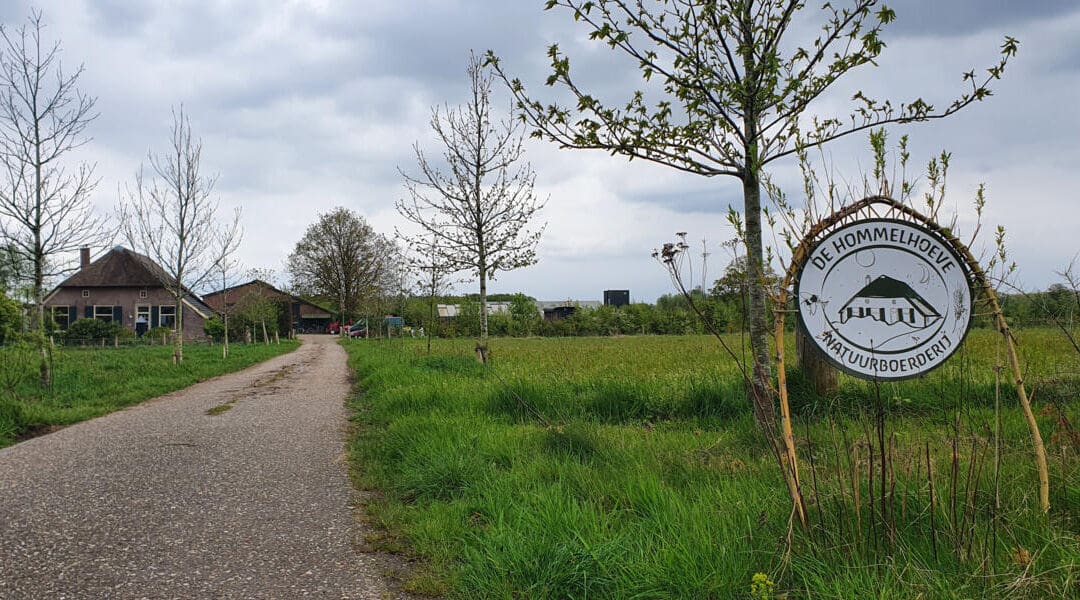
(164, 500)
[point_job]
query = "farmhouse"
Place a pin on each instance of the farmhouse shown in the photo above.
(303, 315)
(889, 301)
(125, 287)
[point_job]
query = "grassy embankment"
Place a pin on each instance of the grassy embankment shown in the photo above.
(629, 467)
(90, 382)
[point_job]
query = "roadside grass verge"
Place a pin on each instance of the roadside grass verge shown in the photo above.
(90, 382)
(630, 467)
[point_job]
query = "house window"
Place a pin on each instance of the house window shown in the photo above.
(103, 313)
(167, 316)
(60, 315)
(86, 293)
(142, 312)
(142, 293)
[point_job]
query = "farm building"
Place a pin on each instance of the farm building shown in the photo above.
(548, 309)
(303, 315)
(449, 311)
(616, 297)
(560, 309)
(889, 301)
(125, 287)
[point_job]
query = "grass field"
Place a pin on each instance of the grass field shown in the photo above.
(90, 382)
(630, 468)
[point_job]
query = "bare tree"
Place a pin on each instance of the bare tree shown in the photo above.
(45, 208)
(226, 265)
(478, 210)
(434, 277)
(341, 257)
(173, 219)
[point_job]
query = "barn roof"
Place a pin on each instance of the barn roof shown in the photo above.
(268, 286)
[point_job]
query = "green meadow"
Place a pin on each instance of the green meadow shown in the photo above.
(630, 467)
(90, 382)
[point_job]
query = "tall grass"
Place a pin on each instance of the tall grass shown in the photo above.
(630, 468)
(90, 382)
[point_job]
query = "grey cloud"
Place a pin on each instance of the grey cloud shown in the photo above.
(948, 17)
(716, 199)
(302, 108)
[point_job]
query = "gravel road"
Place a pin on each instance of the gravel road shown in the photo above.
(163, 500)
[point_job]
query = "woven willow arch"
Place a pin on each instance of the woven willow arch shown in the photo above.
(886, 207)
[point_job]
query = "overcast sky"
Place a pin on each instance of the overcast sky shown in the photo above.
(304, 105)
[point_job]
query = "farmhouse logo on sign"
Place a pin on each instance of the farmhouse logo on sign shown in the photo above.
(884, 299)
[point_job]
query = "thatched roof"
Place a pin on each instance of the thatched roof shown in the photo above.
(120, 267)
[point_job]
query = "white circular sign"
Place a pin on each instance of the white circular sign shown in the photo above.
(884, 299)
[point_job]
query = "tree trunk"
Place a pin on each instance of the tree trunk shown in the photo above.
(37, 321)
(482, 345)
(822, 376)
(760, 396)
(266, 339)
(431, 322)
(178, 345)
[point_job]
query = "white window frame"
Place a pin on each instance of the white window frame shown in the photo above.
(142, 294)
(86, 293)
(162, 315)
(143, 310)
(103, 317)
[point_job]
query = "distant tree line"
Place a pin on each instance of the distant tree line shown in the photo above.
(724, 305)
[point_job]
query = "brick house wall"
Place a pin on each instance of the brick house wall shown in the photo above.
(128, 299)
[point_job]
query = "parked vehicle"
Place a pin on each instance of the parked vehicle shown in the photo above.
(358, 331)
(334, 328)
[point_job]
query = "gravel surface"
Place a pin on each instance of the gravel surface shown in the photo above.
(163, 500)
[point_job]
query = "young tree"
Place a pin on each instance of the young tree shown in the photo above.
(226, 266)
(524, 314)
(341, 257)
(738, 94)
(479, 209)
(14, 272)
(256, 309)
(434, 278)
(45, 208)
(173, 219)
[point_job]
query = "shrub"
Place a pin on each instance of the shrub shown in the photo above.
(12, 420)
(156, 333)
(10, 318)
(214, 327)
(92, 329)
